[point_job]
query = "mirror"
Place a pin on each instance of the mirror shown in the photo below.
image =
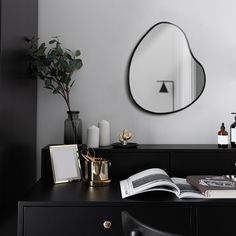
(164, 75)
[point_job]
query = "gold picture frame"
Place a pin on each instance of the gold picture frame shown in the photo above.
(65, 163)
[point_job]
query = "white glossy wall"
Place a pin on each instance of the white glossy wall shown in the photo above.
(106, 31)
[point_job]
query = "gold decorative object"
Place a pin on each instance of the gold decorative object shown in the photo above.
(96, 169)
(125, 136)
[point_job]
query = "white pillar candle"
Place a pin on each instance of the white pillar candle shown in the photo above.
(104, 133)
(93, 136)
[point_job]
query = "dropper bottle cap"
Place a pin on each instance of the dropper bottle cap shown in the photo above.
(222, 126)
(234, 114)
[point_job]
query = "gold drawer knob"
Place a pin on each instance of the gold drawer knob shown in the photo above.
(107, 224)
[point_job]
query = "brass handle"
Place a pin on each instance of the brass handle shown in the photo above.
(107, 224)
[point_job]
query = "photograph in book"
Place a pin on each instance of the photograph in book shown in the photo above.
(213, 186)
(156, 179)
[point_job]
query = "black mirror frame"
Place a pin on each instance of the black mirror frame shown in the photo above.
(130, 61)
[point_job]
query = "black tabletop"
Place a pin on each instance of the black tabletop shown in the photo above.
(79, 193)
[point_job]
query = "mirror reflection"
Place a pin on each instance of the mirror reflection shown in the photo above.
(164, 76)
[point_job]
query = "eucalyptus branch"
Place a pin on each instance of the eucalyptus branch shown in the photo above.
(53, 79)
(55, 66)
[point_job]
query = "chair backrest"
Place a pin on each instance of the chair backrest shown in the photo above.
(133, 227)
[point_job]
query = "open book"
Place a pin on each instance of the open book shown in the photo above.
(156, 179)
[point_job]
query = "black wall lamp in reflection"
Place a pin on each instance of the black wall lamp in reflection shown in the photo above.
(164, 89)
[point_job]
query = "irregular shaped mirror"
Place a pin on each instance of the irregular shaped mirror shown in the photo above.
(164, 76)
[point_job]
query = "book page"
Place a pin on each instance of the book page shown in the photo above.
(186, 190)
(147, 180)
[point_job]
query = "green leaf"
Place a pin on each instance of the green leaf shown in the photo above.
(67, 55)
(78, 64)
(68, 50)
(52, 53)
(77, 53)
(57, 89)
(64, 64)
(65, 79)
(72, 83)
(52, 41)
(58, 44)
(48, 83)
(59, 51)
(42, 47)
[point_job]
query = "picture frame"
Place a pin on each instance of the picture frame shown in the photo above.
(65, 163)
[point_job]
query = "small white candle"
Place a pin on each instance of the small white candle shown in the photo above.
(93, 136)
(104, 133)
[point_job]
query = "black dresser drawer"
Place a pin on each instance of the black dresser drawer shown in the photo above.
(133, 161)
(185, 163)
(89, 221)
(216, 220)
(72, 221)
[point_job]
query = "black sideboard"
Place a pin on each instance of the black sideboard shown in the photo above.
(176, 160)
(77, 209)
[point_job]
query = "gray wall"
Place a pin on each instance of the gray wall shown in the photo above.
(106, 32)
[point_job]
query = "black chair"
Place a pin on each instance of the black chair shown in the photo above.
(132, 227)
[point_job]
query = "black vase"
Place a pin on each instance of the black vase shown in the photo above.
(73, 128)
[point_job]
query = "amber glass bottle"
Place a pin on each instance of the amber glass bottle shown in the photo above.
(223, 137)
